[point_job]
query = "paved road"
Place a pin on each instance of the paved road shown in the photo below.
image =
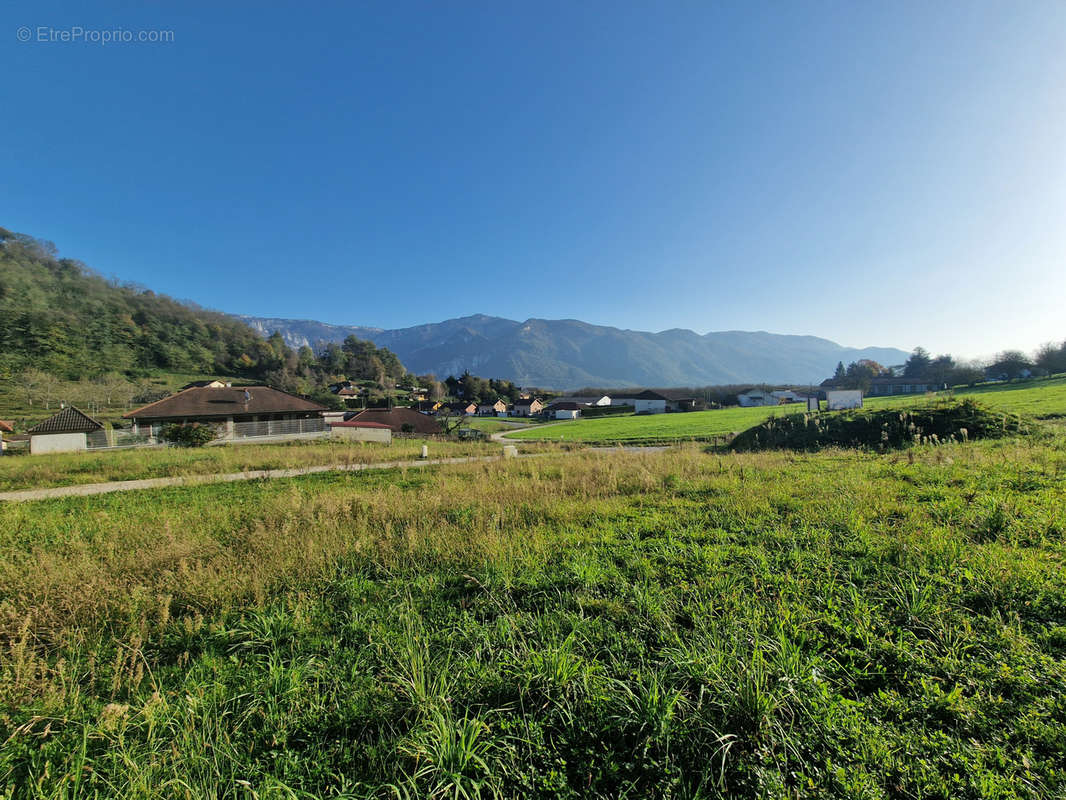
(85, 489)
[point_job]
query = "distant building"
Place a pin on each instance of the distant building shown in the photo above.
(562, 410)
(526, 407)
(757, 397)
(882, 387)
(462, 407)
(497, 409)
(587, 400)
(646, 402)
(399, 420)
(69, 431)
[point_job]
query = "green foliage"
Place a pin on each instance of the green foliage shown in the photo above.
(957, 420)
(194, 435)
(674, 625)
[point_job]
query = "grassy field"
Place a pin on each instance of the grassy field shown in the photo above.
(678, 625)
(1045, 398)
(39, 472)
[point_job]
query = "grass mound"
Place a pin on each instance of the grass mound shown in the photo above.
(882, 429)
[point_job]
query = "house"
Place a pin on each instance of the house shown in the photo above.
(427, 406)
(235, 411)
(69, 431)
(462, 407)
(497, 409)
(5, 427)
(355, 431)
(682, 400)
(398, 420)
(757, 397)
(526, 407)
(882, 387)
(562, 410)
(842, 399)
(788, 396)
(588, 400)
(646, 402)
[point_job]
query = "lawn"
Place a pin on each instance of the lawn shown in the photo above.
(38, 472)
(1044, 399)
(680, 624)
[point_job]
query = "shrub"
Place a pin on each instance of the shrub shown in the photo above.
(958, 420)
(194, 435)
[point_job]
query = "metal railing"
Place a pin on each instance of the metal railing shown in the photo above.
(281, 427)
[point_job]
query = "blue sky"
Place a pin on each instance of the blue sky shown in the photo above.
(879, 174)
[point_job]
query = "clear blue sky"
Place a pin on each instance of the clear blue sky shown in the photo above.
(876, 173)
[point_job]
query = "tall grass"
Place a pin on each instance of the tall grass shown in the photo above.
(680, 624)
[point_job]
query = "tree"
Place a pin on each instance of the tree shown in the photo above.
(840, 373)
(1051, 358)
(1010, 365)
(918, 364)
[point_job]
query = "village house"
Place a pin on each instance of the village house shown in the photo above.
(681, 400)
(427, 406)
(5, 427)
(646, 402)
(562, 410)
(462, 407)
(757, 397)
(398, 420)
(526, 407)
(69, 431)
(587, 400)
(882, 387)
(236, 412)
(497, 409)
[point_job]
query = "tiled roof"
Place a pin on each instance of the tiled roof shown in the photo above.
(355, 424)
(207, 402)
(69, 420)
(396, 418)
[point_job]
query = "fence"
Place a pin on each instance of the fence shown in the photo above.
(280, 427)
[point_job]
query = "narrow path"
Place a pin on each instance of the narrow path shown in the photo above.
(500, 436)
(85, 489)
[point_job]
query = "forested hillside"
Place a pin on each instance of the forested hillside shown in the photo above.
(67, 334)
(59, 316)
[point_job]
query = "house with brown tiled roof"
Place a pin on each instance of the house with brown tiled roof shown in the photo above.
(400, 420)
(235, 411)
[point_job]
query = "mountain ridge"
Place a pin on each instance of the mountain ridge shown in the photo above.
(568, 353)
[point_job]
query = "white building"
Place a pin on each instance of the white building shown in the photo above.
(646, 402)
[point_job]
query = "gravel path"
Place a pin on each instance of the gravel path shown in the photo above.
(85, 489)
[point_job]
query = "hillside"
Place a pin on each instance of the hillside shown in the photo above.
(569, 353)
(59, 316)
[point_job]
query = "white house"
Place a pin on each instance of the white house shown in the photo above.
(601, 400)
(646, 402)
(757, 397)
(561, 410)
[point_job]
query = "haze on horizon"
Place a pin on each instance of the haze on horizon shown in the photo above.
(889, 176)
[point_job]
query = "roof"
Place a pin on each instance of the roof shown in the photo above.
(6, 426)
(356, 424)
(585, 400)
(206, 402)
(527, 401)
(565, 406)
(396, 418)
(647, 394)
(69, 420)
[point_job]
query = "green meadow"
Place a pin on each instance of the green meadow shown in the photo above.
(679, 624)
(69, 469)
(1039, 398)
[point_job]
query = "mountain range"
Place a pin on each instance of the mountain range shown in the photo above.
(567, 353)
